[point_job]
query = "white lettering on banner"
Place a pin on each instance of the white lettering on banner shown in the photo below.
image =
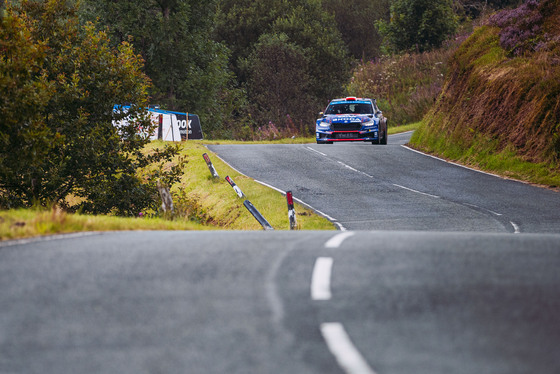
(183, 124)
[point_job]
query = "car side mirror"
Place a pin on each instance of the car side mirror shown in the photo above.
(321, 114)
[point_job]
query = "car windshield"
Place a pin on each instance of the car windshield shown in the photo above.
(346, 108)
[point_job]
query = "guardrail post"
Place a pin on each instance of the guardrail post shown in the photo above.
(258, 216)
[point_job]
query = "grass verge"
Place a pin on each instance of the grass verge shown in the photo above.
(201, 203)
(209, 201)
(403, 128)
(483, 153)
(25, 223)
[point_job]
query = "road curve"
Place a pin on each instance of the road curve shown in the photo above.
(243, 302)
(413, 294)
(372, 187)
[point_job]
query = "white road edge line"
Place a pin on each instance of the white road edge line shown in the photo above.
(515, 228)
(333, 220)
(415, 191)
(321, 279)
(346, 354)
(462, 166)
(402, 133)
(337, 240)
(46, 238)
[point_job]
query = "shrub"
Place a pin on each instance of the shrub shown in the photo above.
(418, 25)
(509, 100)
(405, 85)
(57, 132)
(520, 27)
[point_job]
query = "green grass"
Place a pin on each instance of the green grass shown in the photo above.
(24, 223)
(213, 201)
(483, 154)
(403, 128)
(201, 203)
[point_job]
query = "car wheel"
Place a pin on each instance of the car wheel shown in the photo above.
(383, 140)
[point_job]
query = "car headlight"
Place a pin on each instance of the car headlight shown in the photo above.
(323, 124)
(368, 122)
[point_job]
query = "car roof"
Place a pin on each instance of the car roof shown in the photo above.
(352, 99)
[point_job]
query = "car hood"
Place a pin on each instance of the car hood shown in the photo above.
(347, 118)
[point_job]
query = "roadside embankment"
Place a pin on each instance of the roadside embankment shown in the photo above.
(499, 109)
(201, 202)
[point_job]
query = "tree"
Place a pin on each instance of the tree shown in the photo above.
(304, 34)
(57, 119)
(308, 25)
(474, 8)
(279, 81)
(418, 25)
(356, 23)
(187, 67)
(24, 136)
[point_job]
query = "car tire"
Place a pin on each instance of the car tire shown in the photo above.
(383, 140)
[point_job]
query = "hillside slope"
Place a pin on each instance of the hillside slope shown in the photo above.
(502, 94)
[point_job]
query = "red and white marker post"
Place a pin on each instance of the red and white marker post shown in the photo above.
(291, 210)
(210, 166)
(235, 187)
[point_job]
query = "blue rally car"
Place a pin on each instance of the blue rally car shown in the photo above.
(351, 120)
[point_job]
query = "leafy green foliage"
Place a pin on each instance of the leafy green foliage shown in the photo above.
(278, 80)
(57, 124)
(25, 139)
(495, 102)
(356, 23)
(309, 26)
(307, 40)
(187, 67)
(406, 85)
(418, 25)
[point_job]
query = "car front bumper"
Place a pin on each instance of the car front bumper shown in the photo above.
(347, 136)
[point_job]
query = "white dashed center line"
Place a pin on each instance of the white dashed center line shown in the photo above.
(321, 279)
(316, 151)
(415, 191)
(337, 240)
(338, 341)
(346, 354)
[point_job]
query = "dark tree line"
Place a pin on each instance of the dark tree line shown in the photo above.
(59, 81)
(242, 65)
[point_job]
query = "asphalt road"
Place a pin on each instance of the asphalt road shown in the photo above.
(429, 278)
(372, 187)
(263, 302)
